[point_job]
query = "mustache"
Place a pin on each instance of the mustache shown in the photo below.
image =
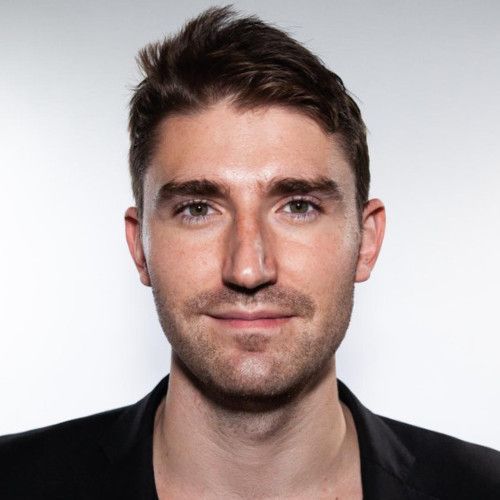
(283, 298)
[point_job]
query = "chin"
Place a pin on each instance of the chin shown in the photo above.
(252, 381)
(255, 374)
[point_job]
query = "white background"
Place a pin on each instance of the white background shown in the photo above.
(79, 333)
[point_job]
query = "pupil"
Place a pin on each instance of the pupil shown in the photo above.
(198, 209)
(299, 206)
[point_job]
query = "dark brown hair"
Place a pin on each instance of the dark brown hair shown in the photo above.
(219, 55)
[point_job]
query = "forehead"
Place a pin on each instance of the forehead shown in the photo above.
(246, 147)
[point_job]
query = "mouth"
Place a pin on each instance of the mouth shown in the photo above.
(248, 320)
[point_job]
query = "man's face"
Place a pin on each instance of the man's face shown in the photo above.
(250, 242)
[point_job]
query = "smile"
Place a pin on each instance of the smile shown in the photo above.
(256, 319)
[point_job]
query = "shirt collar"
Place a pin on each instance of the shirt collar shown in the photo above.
(128, 445)
(386, 462)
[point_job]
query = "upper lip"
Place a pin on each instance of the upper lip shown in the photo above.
(250, 315)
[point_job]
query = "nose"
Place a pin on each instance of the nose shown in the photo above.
(249, 262)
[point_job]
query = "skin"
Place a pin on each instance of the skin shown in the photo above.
(252, 409)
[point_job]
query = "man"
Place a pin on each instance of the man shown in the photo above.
(252, 223)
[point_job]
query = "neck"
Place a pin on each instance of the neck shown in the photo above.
(305, 446)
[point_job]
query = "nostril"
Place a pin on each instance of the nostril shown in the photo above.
(249, 275)
(248, 264)
(247, 291)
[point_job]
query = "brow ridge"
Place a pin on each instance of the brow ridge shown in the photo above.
(279, 187)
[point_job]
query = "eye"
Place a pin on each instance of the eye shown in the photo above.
(298, 206)
(301, 208)
(197, 209)
(194, 212)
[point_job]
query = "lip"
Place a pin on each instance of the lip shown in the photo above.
(254, 319)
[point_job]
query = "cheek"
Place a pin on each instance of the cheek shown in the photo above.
(182, 265)
(318, 265)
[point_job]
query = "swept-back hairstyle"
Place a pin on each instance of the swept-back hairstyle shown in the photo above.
(220, 55)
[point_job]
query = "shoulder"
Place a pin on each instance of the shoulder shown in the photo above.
(449, 467)
(64, 434)
(42, 463)
(400, 460)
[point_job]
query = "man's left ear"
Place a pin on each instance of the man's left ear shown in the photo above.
(372, 235)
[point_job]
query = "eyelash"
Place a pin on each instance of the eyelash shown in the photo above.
(312, 214)
(190, 219)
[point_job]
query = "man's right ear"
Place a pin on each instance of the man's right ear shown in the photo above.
(134, 242)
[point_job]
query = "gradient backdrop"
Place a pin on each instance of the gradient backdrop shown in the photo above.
(79, 333)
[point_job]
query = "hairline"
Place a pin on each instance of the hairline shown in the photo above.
(338, 137)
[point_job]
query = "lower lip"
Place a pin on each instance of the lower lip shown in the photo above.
(253, 323)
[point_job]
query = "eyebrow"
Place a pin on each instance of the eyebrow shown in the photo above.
(291, 185)
(281, 187)
(202, 188)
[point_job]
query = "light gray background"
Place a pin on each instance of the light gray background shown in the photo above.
(79, 333)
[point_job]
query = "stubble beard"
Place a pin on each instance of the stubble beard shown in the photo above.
(303, 358)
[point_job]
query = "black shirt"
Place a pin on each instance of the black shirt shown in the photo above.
(110, 456)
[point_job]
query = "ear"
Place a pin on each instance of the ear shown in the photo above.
(134, 242)
(373, 228)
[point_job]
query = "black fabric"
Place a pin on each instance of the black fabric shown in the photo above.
(109, 456)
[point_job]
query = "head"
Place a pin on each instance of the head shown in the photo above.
(252, 223)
